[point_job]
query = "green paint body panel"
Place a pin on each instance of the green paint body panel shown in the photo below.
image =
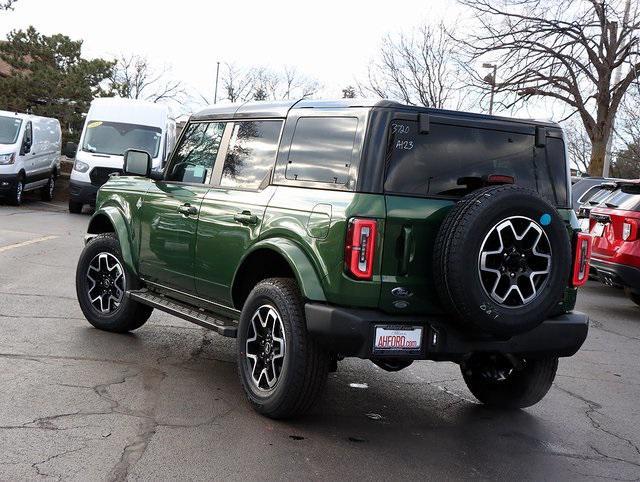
(290, 213)
(201, 255)
(305, 273)
(118, 201)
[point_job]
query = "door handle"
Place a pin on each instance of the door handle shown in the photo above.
(187, 209)
(245, 217)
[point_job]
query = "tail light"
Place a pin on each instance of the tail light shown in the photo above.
(629, 230)
(581, 259)
(360, 248)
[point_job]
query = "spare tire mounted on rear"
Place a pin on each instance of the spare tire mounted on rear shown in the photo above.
(502, 260)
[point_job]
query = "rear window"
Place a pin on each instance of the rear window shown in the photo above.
(601, 195)
(452, 160)
(625, 198)
(588, 194)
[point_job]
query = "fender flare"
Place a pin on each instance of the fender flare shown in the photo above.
(121, 230)
(304, 271)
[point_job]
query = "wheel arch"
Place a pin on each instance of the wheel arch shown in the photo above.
(276, 257)
(109, 219)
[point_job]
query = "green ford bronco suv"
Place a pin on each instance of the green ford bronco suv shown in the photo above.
(317, 230)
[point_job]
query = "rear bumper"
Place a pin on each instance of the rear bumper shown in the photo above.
(7, 183)
(83, 192)
(615, 274)
(350, 332)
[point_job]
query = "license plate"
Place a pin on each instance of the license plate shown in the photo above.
(598, 229)
(394, 339)
(584, 224)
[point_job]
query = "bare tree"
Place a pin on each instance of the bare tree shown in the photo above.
(134, 78)
(578, 144)
(349, 92)
(7, 4)
(627, 159)
(262, 83)
(418, 68)
(564, 50)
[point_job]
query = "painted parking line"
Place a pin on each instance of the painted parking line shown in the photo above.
(26, 243)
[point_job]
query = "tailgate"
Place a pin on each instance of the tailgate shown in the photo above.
(410, 232)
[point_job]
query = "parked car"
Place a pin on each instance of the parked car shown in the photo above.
(614, 224)
(317, 230)
(29, 155)
(584, 189)
(112, 126)
(593, 197)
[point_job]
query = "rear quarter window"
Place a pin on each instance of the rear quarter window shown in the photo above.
(322, 149)
(451, 161)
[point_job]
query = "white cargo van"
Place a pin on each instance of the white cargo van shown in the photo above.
(112, 126)
(29, 155)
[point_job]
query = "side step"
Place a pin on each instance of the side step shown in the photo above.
(184, 311)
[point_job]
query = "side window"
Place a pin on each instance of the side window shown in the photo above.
(196, 154)
(252, 153)
(321, 149)
(27, 141)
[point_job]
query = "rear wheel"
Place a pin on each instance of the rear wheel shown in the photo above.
(502, 382)
(46, 194)
(102, 281)
(75, 207)
(282, 368)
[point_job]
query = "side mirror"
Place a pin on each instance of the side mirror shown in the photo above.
(70, 150)
(137, 163)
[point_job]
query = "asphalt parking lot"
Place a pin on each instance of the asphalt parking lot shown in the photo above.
(165, 403)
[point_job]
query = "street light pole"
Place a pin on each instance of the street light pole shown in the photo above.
(493, 83)
(616, 79)
(215, 95)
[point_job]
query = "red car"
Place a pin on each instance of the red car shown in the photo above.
(615, 225)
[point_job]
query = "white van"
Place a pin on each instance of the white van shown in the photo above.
(114, 125)
(29, 155)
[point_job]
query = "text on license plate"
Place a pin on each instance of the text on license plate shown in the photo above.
(397, 338)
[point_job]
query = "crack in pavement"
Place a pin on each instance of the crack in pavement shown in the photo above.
(592, 408)
(600, 326)
(39, 317)
(36, 465)
(38, 295)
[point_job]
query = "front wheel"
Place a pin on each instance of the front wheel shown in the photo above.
(102, 281)
(282, 368)
(509, 383)
(18, 191)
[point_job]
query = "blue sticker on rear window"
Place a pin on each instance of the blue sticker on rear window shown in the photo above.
(545, 219)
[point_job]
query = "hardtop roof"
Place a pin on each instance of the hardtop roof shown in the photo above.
(280, 109)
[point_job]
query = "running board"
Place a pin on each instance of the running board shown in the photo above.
(184, 311)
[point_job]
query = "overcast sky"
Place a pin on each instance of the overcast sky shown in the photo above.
(331, 41)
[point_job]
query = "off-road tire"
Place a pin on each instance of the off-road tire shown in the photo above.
(130, 314)
(306, 363)
(75, 207)
(46, 193)
(457, 249)
(524, 388)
